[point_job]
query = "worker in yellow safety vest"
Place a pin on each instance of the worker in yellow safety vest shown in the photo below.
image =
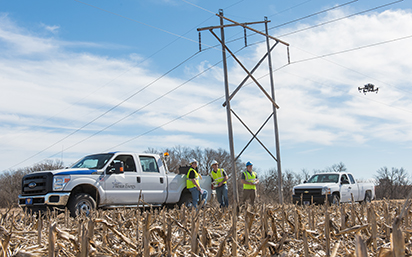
(249, 181)
(219, 183)
(192, 184)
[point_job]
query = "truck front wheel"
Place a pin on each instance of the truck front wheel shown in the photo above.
(81, 203)
(335, 199)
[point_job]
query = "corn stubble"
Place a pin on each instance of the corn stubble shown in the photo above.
(380, 228)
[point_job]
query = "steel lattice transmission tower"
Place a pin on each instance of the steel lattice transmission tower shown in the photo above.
(229, 96)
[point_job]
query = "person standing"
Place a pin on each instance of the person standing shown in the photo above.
(192, 184)
(219, 183)
(249, 181)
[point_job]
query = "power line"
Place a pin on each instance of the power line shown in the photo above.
(155, 100)
(106, 112)
(175, 89)
(159, 78)
(284, 24)
(156, 80)
(118, 76)
(148, 104)
(357, 95)
(145, 24)
(313, 14)
(350, 50)
(147, 132)
(354, 49)
(290, 8)
(117, 105)
(320, 24)
(221, 97)
(345, 17)
(204, 9)
(190, 112)
(164, 124)
(112, 108)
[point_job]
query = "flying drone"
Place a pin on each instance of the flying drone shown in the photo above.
(368, 88)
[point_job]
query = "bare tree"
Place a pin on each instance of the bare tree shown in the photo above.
(340, 167)
(10, 187)
(10, 181)
(305, 175)
(268, 186)
(392, 184)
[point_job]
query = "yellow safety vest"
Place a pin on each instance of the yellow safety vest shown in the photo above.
(189, 183)
(249, 178)
(217, 177)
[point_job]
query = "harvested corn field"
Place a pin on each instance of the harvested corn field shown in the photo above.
(374, 229)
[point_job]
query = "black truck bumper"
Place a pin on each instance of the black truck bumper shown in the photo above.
(307, 199)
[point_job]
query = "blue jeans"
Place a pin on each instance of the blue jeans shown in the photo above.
(195, 196)
(221, 194)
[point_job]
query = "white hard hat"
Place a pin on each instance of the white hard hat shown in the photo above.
(193, 160)
(214, 162)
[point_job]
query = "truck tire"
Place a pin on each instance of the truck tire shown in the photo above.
(81, 203)
(335, 199)
(186, 199)
(368, 197)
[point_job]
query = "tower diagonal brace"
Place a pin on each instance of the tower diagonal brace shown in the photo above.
(254, 136)
(246, 70)
(247, 77)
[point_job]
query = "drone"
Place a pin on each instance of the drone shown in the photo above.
(368, 88)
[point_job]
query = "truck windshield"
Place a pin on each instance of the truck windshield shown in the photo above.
(95, 161)
(324, 178)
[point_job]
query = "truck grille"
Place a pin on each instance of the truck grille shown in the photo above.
(36, 183)
(313, 191)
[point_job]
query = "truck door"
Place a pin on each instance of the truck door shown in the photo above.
(122, 188)
(354, 188)
(153, 180)
(345, 189)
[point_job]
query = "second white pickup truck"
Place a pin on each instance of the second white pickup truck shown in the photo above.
(107, 180)
(338, 186)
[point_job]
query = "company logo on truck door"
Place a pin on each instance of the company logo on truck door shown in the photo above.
(117, 184)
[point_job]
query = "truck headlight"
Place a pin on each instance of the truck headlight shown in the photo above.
(59, 182)
(325, 190)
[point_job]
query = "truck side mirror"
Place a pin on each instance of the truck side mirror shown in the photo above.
(344, 181)
(118, 168)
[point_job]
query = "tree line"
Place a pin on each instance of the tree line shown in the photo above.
(389, 183)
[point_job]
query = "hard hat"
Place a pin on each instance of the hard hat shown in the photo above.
(192, 160)
(249, 163)
(214, 162)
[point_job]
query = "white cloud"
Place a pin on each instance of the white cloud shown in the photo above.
(53, 29)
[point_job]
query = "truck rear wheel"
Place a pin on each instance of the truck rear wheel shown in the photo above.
(81, 203)
(368, 197)
(186, 199)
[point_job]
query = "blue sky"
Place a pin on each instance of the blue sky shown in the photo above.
(80, 77)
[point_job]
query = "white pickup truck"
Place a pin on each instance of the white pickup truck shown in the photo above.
(107, 180)
(338, 186)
